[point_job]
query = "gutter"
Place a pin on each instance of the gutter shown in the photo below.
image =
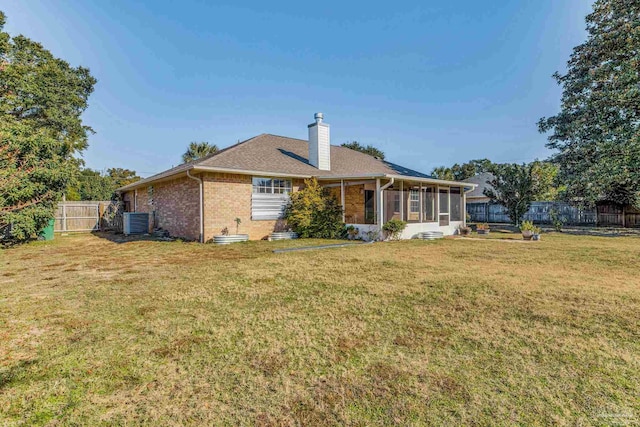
(398, 177)
(146, 181)
(201, 186)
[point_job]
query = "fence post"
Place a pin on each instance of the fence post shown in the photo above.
(64, 216)
(100, 215)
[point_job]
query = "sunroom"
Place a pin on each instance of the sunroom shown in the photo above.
(425, 204)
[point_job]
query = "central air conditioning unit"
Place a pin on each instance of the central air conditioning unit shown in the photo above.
(135, 223)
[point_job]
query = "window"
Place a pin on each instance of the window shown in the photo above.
(396, 202)
(271, 186)
(456, 204)
(429, 204)
(414, 200)
(270, 197)
(411, 198)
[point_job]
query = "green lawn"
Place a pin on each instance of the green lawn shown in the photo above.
(474, 332)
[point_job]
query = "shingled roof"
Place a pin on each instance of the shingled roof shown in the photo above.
(481, 181)
(278, 155)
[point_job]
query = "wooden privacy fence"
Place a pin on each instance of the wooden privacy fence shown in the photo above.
(88, 216)
(614, 215)
(540, 212)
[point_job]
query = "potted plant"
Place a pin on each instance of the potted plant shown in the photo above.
(352, 232)
(225, 238)
(483, 228)
(536, 233)
(464, 231)
(528, 230)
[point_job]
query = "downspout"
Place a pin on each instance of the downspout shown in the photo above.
(464, 205)
(195, 178)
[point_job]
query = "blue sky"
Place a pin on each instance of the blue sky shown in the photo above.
(430, 83)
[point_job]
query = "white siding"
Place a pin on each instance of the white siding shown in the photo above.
(320, 146)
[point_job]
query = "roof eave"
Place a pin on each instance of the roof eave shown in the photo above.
(398, 177)
(149, 180)
(197, 168)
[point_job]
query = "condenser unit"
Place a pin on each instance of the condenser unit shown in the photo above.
(135, 223)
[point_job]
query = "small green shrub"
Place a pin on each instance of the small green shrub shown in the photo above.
(394, 228)
(556, 220)
(313, 212)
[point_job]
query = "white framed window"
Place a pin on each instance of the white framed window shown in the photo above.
(269, 198)
(271, 185)
(414, 201)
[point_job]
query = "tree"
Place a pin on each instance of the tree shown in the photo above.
(122, 177)
(443, 172)
(597, 131)
(369, 149)
(313, 212)
(198, 150)
(41, 102)
(461, 172)
(514, 187)
(93, 185)
(546, 175)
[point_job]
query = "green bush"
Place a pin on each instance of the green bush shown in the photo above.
(394, 228)
(313, 212)
(556, 220)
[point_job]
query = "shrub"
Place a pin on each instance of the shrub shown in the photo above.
(556, 220)
(313, 212)
(394, 228)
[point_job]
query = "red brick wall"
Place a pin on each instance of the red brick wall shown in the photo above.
(226, 197)
(176, 205)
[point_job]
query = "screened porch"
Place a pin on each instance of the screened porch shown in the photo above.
(368, 204)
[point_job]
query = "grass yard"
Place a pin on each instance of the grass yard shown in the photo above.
(474, 332)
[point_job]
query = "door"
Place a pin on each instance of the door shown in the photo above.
(443, 206)
(369, 207)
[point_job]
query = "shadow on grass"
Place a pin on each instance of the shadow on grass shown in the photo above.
(121, 238)
(14, 373)
(602, 231)
(572, 230)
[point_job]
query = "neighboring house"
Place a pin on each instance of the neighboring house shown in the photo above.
(252, 181)
(477, 194)
(477, 203)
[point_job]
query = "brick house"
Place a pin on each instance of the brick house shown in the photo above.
(252, 181)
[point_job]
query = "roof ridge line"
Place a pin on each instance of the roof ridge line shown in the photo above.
(201, 159)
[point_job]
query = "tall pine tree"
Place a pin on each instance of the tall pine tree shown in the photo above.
(597, 131)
